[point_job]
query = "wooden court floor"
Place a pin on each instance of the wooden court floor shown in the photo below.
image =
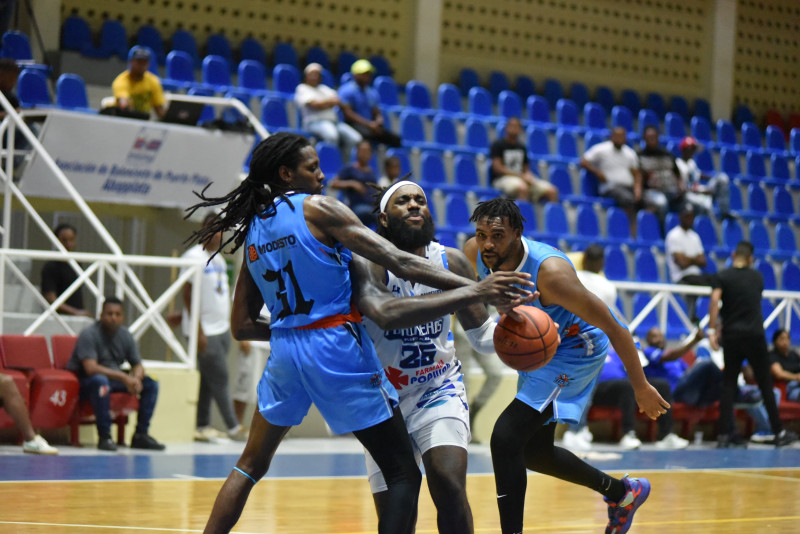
(703, 501)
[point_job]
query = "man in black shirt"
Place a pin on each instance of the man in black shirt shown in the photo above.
(785, 364)
(739, 289)
(511, 170)
(663, 187)
(57, 276)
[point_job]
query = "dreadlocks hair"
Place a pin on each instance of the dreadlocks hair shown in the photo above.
(498, 208)
(256, 194)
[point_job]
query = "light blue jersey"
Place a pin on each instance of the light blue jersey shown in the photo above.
(568, 380)
(321, 353)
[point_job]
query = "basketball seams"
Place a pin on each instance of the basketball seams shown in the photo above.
(519, 336)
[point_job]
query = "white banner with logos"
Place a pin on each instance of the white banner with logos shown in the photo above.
(117, 160)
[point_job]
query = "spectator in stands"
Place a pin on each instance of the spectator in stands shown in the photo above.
(213, 340)
(359, 103)
(6, 13)
(355, 180)
(703, 190)
(663, 187)
(616, 167)
(785, 364)
(317, 104)
(138, 89)
(686, 257)
(99, 354)
(9, 74)
(614, 389)
(391, 171)
(12, 401)
(739, 290)
(511, 171)
(57, 276)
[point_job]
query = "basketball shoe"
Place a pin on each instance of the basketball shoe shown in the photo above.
(620, 514)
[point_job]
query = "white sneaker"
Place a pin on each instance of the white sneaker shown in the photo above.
(629, 441)
(762, 437)
(586, 434)
(575, 441)
(38, 445)
(210, 435)
(238, 433)
(672, 441)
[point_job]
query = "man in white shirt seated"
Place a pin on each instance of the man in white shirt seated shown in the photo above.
(703, 190)
(317, 104)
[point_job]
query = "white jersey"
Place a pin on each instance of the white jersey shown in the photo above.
(421, 362)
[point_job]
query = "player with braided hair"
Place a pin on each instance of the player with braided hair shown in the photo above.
(300, 262)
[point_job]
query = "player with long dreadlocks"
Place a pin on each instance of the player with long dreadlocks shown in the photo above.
(299, 256)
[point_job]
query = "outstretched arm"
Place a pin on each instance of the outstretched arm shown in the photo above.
(377, 302)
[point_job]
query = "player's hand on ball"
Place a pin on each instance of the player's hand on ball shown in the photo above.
(506, 289)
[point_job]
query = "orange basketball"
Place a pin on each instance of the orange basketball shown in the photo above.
(526, 345)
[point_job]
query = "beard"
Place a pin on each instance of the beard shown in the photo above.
(408, 238)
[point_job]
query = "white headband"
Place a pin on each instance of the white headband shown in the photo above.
(389, 192)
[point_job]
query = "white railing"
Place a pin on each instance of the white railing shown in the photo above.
(217, 101)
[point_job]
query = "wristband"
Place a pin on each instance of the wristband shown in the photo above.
(711, 330)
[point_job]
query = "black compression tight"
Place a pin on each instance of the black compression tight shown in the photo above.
(522, 439)
(390, 447)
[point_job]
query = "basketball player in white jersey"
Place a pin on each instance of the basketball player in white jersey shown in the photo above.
(421, 362)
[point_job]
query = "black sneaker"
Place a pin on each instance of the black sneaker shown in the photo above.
(144, 441)
(785, 438)
(725, 441)
(106, 444)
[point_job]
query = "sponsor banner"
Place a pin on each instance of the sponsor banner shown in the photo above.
(117, 160)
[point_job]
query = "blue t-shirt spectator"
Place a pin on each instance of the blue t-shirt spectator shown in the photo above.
(363, 101)
(671, 371)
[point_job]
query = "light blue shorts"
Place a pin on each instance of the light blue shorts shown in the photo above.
(567, 381)
(335, 368)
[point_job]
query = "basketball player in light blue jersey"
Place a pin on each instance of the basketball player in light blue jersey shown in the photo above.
(421, 361)
(299, 248)
(524, 433)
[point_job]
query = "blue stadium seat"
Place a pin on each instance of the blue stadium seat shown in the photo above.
(647, 117)
(445, 135)
(209, 113)
(701, 130)
(674, 126)
(640, 301)
(591, 138)
(783, 206)
(741, 115)
(479, 103)
(231, 115)
(621, 116)
(618, 227)
(579, 93)
(179, 71)
(402, 155)
(344, 61)
(561, 180)
(702, 109)
(251, 49)
(113, 41)
(794, 142)
(779, 167)
(589, 189)
(708, 234)
(631, 100)
(646, 267)
(594, 118)
(285, 54)
(655, 102)
(676, 328)
(567, 115)
(381, 65)
(726, 135)
(756, 169)
(790, 276)
(75, 34)
(150, 37)
(671, 221)
(316, 54)
(219, 45)
(732, 234)
(498, 82)
(465, 174)
(605, 97)
(729, 163)
(776, 141)
(538, 143)
(679, 105)
(433, 174)
(648, 230)
(756, 203)
(553, 92)
(539, 111)
(751, 137)
(418, 97)
(71, 93)
(285, 79)
(330, 159)
(216, 73)
(388, 94)
(766, 270)
(524, 87)
(448, 100)
(759, 237)
(704, 162)
(566, 146)
(529, 225)
(252, 78)
(456, 214)
(509, 104)
(274, 115)
(587, 226)
(185, 42)
(556, 226)
(477, 136)
(32, 89)
(467, 79)
(616, 266)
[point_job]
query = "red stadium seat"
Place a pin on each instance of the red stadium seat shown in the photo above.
(54, 392)
(122, 404)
